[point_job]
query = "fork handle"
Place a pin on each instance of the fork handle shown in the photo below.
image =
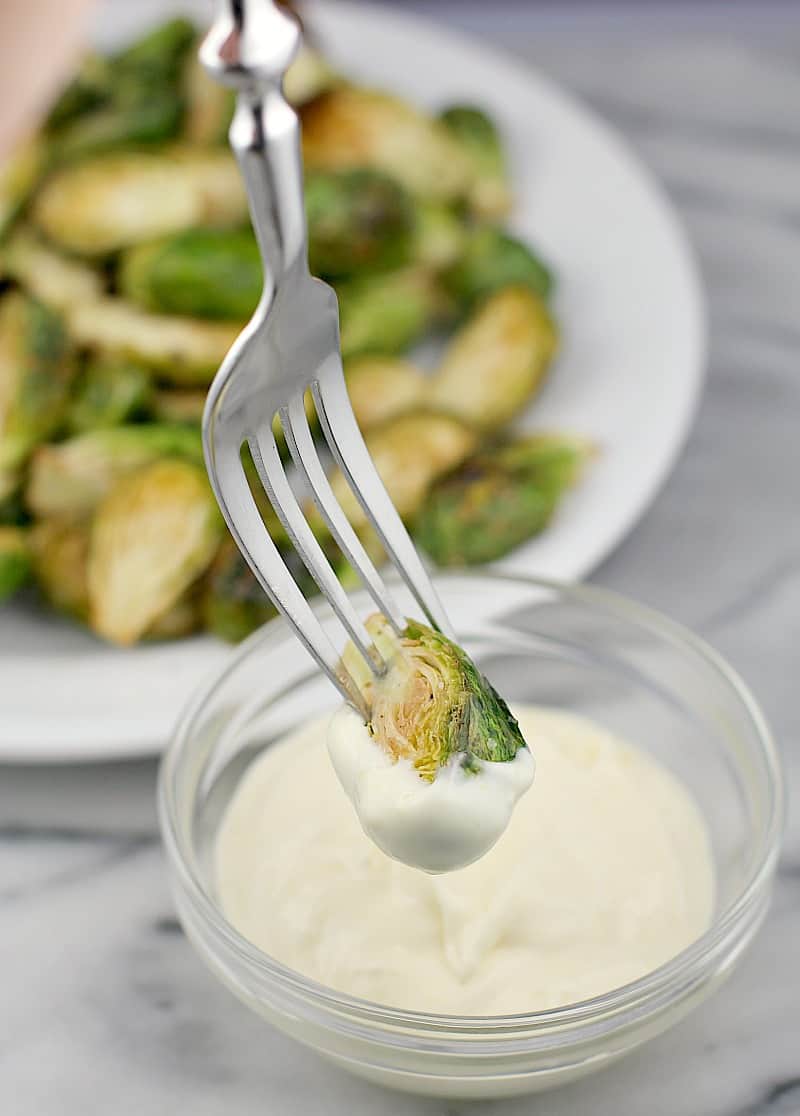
(250, 47)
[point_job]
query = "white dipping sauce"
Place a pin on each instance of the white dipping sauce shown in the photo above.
(603, 874)
(435, 826)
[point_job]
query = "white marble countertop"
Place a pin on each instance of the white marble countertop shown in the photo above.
(105, 1007)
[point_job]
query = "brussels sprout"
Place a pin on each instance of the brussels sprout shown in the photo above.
(114, 201)
(234, 604)
(154, 534)
(209, 106)
(349, 127)
(432, 706)
(497, 360)
(59, 556)
(409, 452)
(382, 387)
(439, 236)
(36, 370)
(490, 192)
(211, 273)
(89, 88)
(171, 405)
(184, 351)
(18, 176)
(498, 499)
(72, 477)
(56, 280)
(307, 77)
(108, 393)
(183, 619)
(491, 259)
(13, 512)
(15, 562)
(357, 220)
(151, 121)
(386, 313)
(157, 58)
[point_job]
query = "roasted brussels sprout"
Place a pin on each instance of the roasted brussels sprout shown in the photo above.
(59, 554)
(307, 77)
(36, 370)
(183, 619)
(348, 127)
(386, 313)
(56, 280)
(90, 88)
(151, 121)
(490, 260)
(490, 192)
(497, 499)
(72, 477)
(497, 360)
(409, 452)
(234, 604)
(185, 352)
(382, 387)
(108, 393)
(432, 706)
(15, 562)
(115, 201)
(172, 405)
(209, 106)
(13, 512)
(155, 60)
(439, 234)
(210, 273)
(18, 176)
(152, 536)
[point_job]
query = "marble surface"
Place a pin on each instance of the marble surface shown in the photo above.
(104, 1005)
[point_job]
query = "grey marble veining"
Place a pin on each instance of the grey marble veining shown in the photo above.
(105, 1007)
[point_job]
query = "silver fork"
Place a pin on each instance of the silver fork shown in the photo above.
(292, 344)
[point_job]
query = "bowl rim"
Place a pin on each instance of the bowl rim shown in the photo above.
(677, 972)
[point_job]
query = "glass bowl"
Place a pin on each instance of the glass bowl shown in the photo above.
(578, 648)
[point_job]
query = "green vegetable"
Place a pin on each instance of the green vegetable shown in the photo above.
(358, 220)
(147, 122)
(386, 313)
(56, 280)
(492, 259)
(171, 405)
(432, 706)
(109, 392)
(18, 176)
(36, 370)
(210, 273)
(381, 388)
(234, 604)
(347, 128)
(157, 58)
(209, 106)
(72, 477)
(15, 563)
(490, 191)
(59, 555)
(90, 88)
(438, 236)
(499, 498)
(496, 362)
(152, 536)
(308, 76)
(116, 200)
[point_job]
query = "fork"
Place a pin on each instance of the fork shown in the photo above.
(291, 345)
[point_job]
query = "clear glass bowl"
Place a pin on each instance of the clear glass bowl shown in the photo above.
(578, 648)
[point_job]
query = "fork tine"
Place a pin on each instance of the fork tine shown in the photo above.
(273, 476)
(244, 521)
(305, 456)
(347, 445)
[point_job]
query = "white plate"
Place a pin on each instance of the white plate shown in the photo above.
(628, 377)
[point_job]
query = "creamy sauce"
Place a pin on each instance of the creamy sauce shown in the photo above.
(436, 826)
(603, 874)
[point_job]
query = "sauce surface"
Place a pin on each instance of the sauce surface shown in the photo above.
(603, 874)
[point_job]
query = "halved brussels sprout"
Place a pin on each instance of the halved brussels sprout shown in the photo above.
(490, 192)
(184, 351)
(183, 619)
(59, 554)
(15, 561)
(409, 452)
(90, 87)
(358, 220)
(109, 392)
(157, 58)
(115, 201)
(492, 259)
(210, 273)
(18, 176)
(153, 535)
(72, 477)
(36, 370)
(172, 405)
(12, 506)
(439, 234)
(209, 106)
(307, 77)
(386, 313)
(382, 387)
(432, 706)
(499, 498)
(56, 280)
(234, 604)
(151, 121)
(349, 127)
(497, 360)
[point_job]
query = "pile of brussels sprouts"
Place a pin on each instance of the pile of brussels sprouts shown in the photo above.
(127, 267)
